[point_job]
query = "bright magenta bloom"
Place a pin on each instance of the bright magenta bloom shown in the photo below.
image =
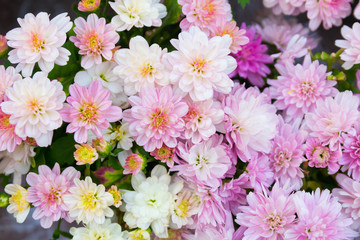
(46, 193)
(156, 117)
(89, 109)
(95, 38)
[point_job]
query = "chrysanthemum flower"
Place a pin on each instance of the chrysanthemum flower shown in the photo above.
(85, 154)
(233, 193)
(202, 13)
(319, 217)
(39, 40)
(287, 7)
(152, 201)
(267, 216)
(137, 13)
(321, 156)
(349, 196)
(156, 117)
(332, 117)
(165, 154)
(18, 205)
(139, 234)
(33, 105)
(350, 158)
(329, 12)
(299, 87)
(3, 45)
(95, 39)
(102, 146)
(296, 48)
(103, 72)
(201, 65)
(88, 202)
(202, 119)
(350, 44)
(115, 192)
(8, 138)
(119, 135)
(88, 5)
(250, 122)
(7, 78)
(140, 66)
(252, 58)
(46, 193)
(131, 162)
(287, 154)
(207, 161)
(95, 231)
(89, 109)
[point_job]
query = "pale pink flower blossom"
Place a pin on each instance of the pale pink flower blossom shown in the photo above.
(166, 155)
(287, 7)
(89, 109)
(156, 117)
(46, 193)
(95, 39)
(350, 44)
(7, 78)
(296, 48)
(319, 217)
(328, 12)
(39, 40)
(8, 138)
(332, 117)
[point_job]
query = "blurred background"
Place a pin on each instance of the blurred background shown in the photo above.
(10, 10)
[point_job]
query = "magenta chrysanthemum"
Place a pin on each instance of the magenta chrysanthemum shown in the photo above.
(46, 193)
(156, 117)
(319, 217)
(89, 109)
(252, 59)
(95, 39)
(299, 87)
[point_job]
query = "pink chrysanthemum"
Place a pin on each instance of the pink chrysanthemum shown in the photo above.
(319, 217)
(351, 154)
(133, 164)
(333, 117)
(350, 44)
(202, 13)
(329, 12)
(95, 39)
(267, 216)
(287, 7)
(89, 109)
(201, 120)
(46, 193)
(156, 117)
(287, 155)
(88, 5)
(349, 196)
(7, 78)
(320, 156)
(166, 155)
(3, 46)
(207, 161)
(252, 59)
(299, 87)
(8, 138)
(250, 121)
(220, 28)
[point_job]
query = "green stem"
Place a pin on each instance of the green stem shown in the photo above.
(105, 8)
(56, 233)
(87, 170)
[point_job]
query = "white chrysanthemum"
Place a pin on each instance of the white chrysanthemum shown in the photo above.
(94, 231)
(152, 202)
(39, 40)
(137, 13)
(201, 65)
(17, 162)
(89, 202)
(119, 134)
(18, 205)
(104, 73)
(140, 65)
(33, 106)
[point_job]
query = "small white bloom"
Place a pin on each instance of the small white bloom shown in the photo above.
(139, 234)
(94, 231)
(140, 65)
(89, 202)
(39, 40)
(104, 73)
(33, 106)
(201, 65)
(17, 162)
(137, 13)
(152, 202)
(119, 134)
(18, 204)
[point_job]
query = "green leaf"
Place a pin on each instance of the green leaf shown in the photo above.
(174, 12)
(243, 2)
(61, 151)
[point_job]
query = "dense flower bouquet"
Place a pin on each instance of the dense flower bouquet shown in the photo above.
(149, 119)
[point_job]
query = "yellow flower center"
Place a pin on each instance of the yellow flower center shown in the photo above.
(85, 154)
(183, 209)
(139, 235)
(4, 121)
(159, 119)
(18, 199)
(94, 43)
(89, 201)
(147, 69)
(89, 3)
(88, 112)
(199, 65)
(37, 42)
(35, 107)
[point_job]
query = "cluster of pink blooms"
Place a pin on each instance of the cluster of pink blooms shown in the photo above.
(216, 139)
